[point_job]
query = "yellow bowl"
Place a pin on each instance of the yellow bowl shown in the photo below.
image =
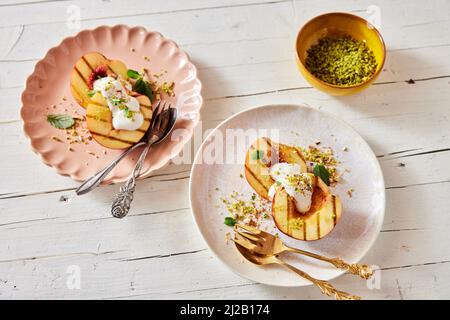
(338, 24)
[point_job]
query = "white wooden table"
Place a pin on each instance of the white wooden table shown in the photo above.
(244, 52)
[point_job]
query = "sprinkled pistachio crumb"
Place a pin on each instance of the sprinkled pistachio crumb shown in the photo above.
(350, 192)
(168, 88)
(249, 211)
(296, 224)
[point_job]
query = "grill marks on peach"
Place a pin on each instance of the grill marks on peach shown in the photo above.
(112, 138)
(141, 130)
(98, 115)
(325, 210)
(79, 88)
(250, 175)
(257, 170)
(318, 224)
(99, 119)
(79, 82)
(334, 210)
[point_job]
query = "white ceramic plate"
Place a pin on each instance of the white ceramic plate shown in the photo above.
(362, 215)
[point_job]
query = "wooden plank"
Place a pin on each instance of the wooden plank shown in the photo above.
(284, 22)
(20, 38)
(17, 3)
(398, 284)
(230, 72)
(35, 12)
(201, 273)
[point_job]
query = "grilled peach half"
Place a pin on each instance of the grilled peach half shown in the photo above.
(322, 217)
(99, 123)
(260, 157)
(84, 73)
(98, 116)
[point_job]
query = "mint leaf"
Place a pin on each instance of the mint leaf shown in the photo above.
(140, 86)
(143, 87)
(322, 172)
(91, 93)
(61, 121)
(117, 101)
(230, 221)
(133, 74)
(257, 154)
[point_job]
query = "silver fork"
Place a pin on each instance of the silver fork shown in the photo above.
(92, 182)
(162, 125)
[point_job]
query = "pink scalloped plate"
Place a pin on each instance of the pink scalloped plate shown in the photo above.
(47, 91)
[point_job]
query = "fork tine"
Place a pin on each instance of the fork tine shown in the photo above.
(159, 118)
(155, 113)
(263, 234)
(249, 229)
(155, 110)
(248, 236)
(158, 104)
(172, 117)
(243, 238)
(165, 116)
(245, 244)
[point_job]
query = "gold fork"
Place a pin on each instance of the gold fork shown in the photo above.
(265, 243)
(324, 286)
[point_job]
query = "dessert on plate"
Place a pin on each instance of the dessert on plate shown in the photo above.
(303, 206)
(117, 113)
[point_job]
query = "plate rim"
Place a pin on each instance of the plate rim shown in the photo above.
(59, 44)
(300, 106)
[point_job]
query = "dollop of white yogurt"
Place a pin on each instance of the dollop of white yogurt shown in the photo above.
(297, 184)
(125, 109)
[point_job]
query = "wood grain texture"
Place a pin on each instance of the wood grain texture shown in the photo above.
(244, 52)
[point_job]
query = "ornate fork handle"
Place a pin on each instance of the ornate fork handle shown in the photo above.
(362, 270)
(324, 286)
(96, 179)
(122, 202)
